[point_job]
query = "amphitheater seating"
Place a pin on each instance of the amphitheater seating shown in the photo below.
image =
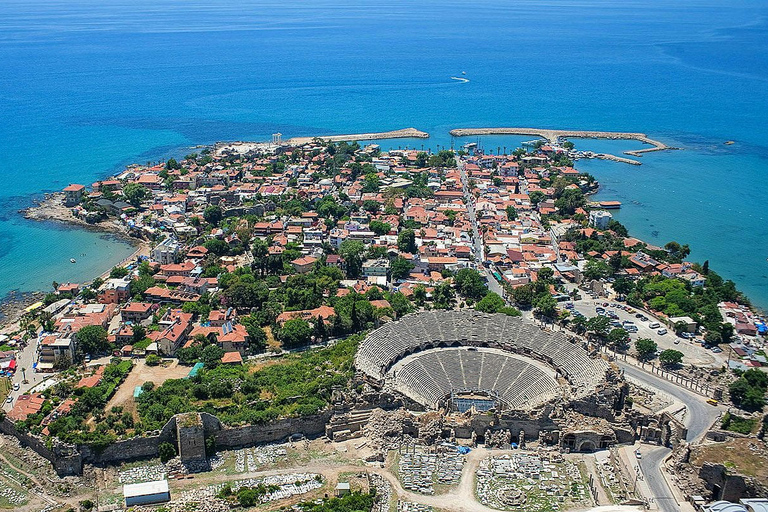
(418, 332)
(431, 375)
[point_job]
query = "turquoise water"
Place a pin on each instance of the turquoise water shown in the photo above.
(89, 86)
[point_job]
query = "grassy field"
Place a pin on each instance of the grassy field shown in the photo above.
(5, 387)
(736, 454)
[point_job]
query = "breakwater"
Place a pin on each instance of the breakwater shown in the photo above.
(405, 133)
(555, 136)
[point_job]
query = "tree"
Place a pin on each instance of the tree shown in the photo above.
(400, 304)
(536, 197)
(511, 213)
(569, 201)
(213, 215)
(599, 326)
(623, 286)
(166, 451)
(545, 305)
(596, 269)
(295, 333)
(371, 183)
(211, 356)
(443, 296)
(118, 272)
(92, 339)
(135, 193)
(152, 360)
(677, 252)
(491, 303)
(671, 357)
(401, 268)
(470, 283)
(406, 241)
(139, 333)
(523, 295)
(188, 355)
(619, 339)
(351, 251)
(545, 274)
(378, 227)
(646, 348)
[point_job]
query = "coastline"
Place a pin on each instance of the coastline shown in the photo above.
(52, 209)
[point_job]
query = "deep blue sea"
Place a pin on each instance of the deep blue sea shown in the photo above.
(88, 86)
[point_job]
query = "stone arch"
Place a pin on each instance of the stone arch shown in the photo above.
(587, 445)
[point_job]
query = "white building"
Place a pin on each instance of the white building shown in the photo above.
(166, 252)
(146, 493)
(599, 218)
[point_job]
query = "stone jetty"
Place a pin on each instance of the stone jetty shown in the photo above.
(405, 133)
(554, 136)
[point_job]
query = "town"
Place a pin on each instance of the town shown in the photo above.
(402, 329)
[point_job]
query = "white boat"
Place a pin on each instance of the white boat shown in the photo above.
(72, 260)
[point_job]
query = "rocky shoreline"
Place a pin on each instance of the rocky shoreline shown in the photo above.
(52, 208)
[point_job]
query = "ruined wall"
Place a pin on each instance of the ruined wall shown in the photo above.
(248, 435)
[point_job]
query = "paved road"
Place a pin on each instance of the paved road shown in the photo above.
(477, 247)
(698, 419)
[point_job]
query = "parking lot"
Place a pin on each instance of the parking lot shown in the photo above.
(693, 352)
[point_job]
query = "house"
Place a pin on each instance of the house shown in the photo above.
(55, 350)
(178, 269)
(304, 264)
(376, 268)
(233, 338)
(334, 260)
(232, 358)
(114, 291)
(73, 194)
(219, 317)
(179, 325)
(136, 312)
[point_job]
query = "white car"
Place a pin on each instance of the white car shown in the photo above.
(654, 325)
(9, 400)
(661, 331)
(16, 386)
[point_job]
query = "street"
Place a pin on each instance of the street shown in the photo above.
(477, 240)
(698, 419)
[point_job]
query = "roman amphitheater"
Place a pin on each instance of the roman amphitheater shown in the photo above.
(461, 359)
(492, 376)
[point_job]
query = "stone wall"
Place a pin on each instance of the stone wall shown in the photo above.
(310, 426)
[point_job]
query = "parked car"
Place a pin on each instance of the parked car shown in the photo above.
(661, 331)
(638, 454)
(716, 350)
(654, 325)
(16, 386)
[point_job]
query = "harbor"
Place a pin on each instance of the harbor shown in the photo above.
(556, 136)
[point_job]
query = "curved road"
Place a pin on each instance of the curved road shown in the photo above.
(698, 419)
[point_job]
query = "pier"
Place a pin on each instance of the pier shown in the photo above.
(405, 133)
(554, 137)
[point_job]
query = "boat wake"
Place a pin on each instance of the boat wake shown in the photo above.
(460, 79)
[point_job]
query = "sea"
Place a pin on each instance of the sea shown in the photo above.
(89, 86)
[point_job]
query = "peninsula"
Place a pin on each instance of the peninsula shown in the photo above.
(463, 321)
